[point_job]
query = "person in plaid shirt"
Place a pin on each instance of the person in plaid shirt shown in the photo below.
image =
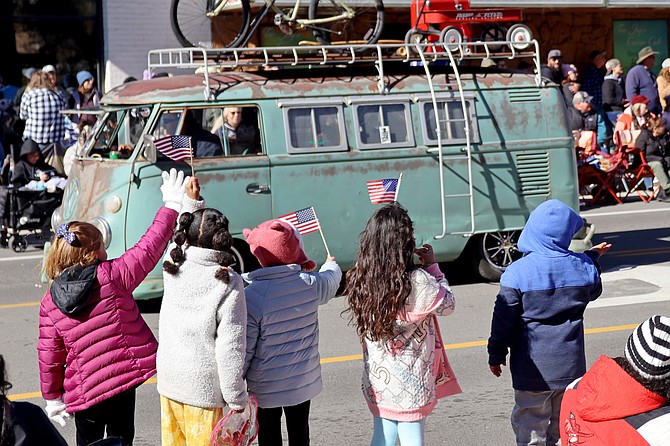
(40, 106)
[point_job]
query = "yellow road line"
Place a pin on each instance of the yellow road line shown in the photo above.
(27, 304)
(347, 358)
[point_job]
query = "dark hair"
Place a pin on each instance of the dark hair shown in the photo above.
(6, 431)
(379, 283)
(658, 386)
(204, 228)
(129, 79)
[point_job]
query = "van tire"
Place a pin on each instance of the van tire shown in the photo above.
(244, 260)
(493, 252)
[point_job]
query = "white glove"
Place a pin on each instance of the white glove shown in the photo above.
(174, 189)
(56, 411)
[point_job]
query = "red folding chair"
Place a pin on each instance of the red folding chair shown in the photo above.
(636, 171)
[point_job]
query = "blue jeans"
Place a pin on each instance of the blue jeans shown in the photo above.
(388, 431)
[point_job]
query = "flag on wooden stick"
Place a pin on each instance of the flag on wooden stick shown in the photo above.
(304, 220)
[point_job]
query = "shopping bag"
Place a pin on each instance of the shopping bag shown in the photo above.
(237, 428)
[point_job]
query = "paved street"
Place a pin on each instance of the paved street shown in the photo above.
(636, 283)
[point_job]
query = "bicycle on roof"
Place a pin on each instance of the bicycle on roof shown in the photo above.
(228, 23)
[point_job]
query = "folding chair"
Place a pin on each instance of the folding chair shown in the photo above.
(635, 173)
(598, 183)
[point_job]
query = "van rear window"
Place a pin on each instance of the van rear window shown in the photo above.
(315, 129)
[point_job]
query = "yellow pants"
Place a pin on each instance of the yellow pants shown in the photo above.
(184, 425)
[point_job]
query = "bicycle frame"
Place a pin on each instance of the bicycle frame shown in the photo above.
(290, 18)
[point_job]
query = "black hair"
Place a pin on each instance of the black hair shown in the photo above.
(204, 228)
(658, 386)
(6, 431)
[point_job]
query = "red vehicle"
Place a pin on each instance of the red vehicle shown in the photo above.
(452, 21)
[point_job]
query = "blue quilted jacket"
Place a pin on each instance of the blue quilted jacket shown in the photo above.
(282, 362)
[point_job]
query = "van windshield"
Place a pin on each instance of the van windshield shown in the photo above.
(118, 132)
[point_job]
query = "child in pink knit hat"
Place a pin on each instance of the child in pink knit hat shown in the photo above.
(282, 363)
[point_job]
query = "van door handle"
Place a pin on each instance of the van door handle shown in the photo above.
(255, 188)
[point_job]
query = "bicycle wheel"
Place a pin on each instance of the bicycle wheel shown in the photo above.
(364, 27)
(193, 28)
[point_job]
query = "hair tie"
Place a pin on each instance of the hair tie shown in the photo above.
(63, 232)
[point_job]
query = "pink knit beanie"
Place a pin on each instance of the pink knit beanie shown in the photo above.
(276, 242)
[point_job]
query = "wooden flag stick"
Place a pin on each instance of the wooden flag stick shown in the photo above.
(192, 169)
(397, 189)
(321, 232)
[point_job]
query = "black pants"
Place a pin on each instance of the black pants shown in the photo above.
(117, 414)
(297, 425)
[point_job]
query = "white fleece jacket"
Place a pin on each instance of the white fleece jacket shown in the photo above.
(202, 334)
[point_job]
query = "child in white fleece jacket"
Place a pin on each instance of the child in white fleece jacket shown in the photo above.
(202, 327)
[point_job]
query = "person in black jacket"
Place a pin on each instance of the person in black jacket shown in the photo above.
(614, 90)
(31, 166)
(653, 142)
(22, 423)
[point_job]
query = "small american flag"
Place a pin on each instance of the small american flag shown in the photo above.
(175, 147)
(382, 191)
(304, 220)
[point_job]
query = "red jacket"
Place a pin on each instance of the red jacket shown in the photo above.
(608, 407)
(102, 347)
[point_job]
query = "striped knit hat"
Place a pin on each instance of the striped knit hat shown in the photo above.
(648, 348)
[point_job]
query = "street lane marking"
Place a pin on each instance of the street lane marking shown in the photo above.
(348, 358)
(13, 259)
(608, 214)
(27, 304)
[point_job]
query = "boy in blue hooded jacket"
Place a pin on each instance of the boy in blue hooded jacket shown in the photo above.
(538, 317)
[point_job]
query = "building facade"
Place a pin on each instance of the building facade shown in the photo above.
(111, 38)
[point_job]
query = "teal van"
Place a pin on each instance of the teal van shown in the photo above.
(478, 148)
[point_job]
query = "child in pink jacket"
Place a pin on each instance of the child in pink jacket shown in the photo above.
(95, 349)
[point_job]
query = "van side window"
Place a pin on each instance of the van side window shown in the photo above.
(315, 129)
(451, 119)
(383, 125)
(236, 127)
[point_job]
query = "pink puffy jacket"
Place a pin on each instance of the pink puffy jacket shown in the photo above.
(105, 348)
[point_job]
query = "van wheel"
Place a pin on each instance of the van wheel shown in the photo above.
(493, 252)
(244, 260)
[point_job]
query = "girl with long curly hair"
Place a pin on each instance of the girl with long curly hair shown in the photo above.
(394, 305)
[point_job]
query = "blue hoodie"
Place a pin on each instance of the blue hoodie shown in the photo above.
(539, 310)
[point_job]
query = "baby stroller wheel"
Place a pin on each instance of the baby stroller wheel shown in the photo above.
(19, 243)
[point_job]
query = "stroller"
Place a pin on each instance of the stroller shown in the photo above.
(27, 218)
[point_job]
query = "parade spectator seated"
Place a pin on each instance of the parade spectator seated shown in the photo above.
(623, 401)
(205, 144)
(654, 144)
(570, 84)
(614, 90)
(633, 119)
(587, 125)
(552, 70)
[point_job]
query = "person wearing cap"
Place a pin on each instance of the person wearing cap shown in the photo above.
(614, 93)
(85, 96)
(583, 116)
(27, 75)
(593, 77)
(641, 80)
(282, 362)
(636, 116)
(552, 70)
(623, 401)
(570, 84)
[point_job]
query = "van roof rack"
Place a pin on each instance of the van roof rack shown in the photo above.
(207, 61)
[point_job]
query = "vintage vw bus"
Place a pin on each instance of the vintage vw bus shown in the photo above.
(478, 148)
